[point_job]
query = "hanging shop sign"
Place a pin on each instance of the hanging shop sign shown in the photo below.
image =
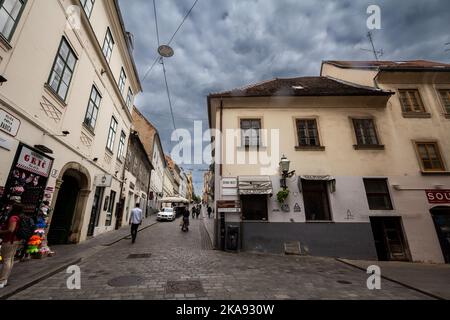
(27, 179)
(34, 162)
(103, 180)
(229, 206)
(438, 196)
(229, 183)
(9, 123)
(230, 187)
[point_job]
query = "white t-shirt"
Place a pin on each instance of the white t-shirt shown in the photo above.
(136, 216)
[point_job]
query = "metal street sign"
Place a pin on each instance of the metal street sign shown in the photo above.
(9, 123)
(438, 196)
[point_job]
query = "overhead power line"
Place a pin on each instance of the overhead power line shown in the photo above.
(182, 22)
(168, 94)
(171, 39)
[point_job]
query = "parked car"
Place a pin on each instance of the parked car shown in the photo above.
(167, 214)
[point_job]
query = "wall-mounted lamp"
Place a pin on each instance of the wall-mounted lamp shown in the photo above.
(285, 165)
(103, 72)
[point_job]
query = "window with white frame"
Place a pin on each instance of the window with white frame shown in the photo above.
(365, 131)
(87, 5)
(63, 68)
(112, 134)
(10, 12)
(445, 97)
(120, 153)
(251, 132)
(130, 98)
(122, 80)
(90, 118)
(108, 45)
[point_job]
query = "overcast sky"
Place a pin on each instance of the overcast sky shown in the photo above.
(228, 44)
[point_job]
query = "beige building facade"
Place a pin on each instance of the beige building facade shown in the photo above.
(420, 112)
(356, 185)
(66, 111)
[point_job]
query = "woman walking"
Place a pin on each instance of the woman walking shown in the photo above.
(10, 243)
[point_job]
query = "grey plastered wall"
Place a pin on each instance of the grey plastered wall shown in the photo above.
(343, 240)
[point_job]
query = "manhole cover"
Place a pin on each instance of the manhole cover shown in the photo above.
(343, 282)
(126, 281)
(184, 287)
(139, 256)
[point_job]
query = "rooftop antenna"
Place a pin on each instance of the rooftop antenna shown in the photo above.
(377, 53)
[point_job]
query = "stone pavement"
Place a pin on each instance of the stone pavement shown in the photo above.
(429, 278)
(169, 264)
(25, 274)
(209, 224)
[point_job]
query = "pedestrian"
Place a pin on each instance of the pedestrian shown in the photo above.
(185, 220)
(10, 243)
(199, 209)
(193, 212)
(135, 221)
(209, 212)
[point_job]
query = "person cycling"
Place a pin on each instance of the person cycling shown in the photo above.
(185, 224)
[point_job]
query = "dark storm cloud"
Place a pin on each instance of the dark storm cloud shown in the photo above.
(227, 44)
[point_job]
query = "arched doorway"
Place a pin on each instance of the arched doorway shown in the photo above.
(441, 219)
(72, 191)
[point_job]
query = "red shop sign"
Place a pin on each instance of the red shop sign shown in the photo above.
(438, 196)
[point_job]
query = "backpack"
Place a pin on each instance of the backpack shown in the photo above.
(26, 228)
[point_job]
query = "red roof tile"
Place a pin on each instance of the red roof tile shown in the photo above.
(391, 65)
(302, 86)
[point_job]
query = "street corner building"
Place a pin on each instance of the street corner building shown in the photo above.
(66, 102)
(359, 165)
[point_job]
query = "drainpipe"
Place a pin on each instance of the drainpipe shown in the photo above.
(148, 188)
(217, 242)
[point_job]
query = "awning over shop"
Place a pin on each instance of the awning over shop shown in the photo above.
(174, 200)
(255, 185)
(331, 180)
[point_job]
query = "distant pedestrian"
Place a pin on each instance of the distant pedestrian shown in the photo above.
(198, 211)
(193, 212)
(209, 212)
(11, 242)
(135, 221)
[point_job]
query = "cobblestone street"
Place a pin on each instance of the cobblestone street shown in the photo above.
(169, 264)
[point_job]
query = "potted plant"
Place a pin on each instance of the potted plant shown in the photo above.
(282, 196)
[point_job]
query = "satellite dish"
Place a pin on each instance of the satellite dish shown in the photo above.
(165, 51)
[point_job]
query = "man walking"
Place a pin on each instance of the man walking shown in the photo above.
(135, 221)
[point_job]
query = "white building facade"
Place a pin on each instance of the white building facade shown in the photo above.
(66, 112)
(358, 187)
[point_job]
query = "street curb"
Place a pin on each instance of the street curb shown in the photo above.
(432, 295)
(61, 268)
(41, 278)
(209, 234)
(123, 238)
